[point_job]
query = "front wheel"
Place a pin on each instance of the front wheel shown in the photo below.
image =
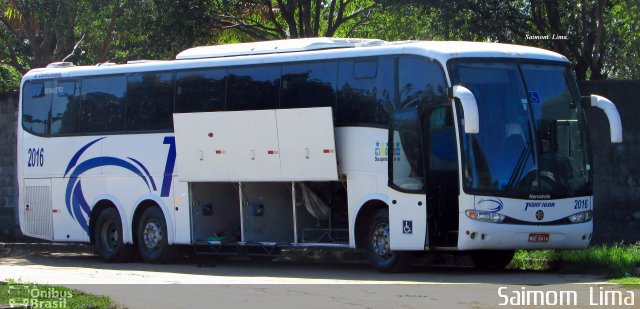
(107, 235)
(492, 259)
(152, 237)
(378, 246)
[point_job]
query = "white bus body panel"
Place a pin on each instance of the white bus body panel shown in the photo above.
(86, 170)
(407, 221)
(263, 145)
(363, 155)
(510, 236)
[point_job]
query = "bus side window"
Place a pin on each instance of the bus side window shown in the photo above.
(421, 82)
(309, 84)
(149, 102)
(253, 88)
(36, 106)
(443, 154)
(366, 92)
(103, 104)
(65, 109)
(200, 91)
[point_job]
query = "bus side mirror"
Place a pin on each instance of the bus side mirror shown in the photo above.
(469, 108)
(615, 125)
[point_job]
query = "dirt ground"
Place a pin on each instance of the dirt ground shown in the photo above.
(243, 283)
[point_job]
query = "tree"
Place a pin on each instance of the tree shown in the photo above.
(282, 19)
(623, 37)
(36, 32)
(583, 24)
(124, 30)
(586, 32)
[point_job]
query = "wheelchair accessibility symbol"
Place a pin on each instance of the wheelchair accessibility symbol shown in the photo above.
(534, 97)
(407, 227)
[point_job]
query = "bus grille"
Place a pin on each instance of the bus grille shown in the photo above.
(38, 212)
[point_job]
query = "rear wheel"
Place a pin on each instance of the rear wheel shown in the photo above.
(108, 238)
(378, 246)
(152, 238)
(492, 259)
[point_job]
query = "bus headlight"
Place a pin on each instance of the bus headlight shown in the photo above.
(485, 216)
(580, 217)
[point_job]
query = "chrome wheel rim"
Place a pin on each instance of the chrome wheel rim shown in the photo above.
(152, 234)
(380, 241)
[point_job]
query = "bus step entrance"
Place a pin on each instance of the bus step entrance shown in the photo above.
(320, 235)
(270, 249)
(214, 247)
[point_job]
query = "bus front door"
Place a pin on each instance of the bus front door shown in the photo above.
(441, 165)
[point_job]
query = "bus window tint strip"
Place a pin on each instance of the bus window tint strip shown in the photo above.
(36, 107)
(65, 109)
(309, 84)
(103, 104)
(149, 102)
(200, 91)
(362, 92)
(253, 88)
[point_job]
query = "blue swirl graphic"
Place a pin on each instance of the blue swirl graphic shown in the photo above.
(490, 205)
(75, 201)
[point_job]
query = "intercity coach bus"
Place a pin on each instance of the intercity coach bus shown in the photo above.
(394, 148)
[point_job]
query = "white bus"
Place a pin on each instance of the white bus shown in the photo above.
(391, 147)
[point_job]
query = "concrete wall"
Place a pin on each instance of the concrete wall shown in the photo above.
(616, 166)
(8, 184)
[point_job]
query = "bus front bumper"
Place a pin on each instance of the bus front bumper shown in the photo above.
(477, 235)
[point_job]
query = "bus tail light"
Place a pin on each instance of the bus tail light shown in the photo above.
(485, 216)
(580, 217)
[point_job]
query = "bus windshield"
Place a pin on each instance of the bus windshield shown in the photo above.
(532, 137)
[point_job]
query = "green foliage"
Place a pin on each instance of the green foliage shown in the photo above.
(623, 50)
(533, 260)
(629, 282)
(283, 19)
(602, 40)
(47, 296)
(615, 260)
(123, 30)
(9, 78)
(609, 260)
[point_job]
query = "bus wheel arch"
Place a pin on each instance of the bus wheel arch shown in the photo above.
(372, 223)
(362, 220)
(152, 233)
(107, 233)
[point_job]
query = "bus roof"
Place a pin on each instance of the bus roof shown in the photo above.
(303, 50)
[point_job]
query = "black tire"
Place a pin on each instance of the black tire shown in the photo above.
(381, 256)
(492, 259)
(107, 235)
(153, 244)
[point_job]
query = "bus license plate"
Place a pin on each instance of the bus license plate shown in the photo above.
(539, 237)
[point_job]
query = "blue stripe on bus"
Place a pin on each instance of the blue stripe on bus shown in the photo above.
(76, 156)
(107, 161)
(153, 183)
(80, 206)
(168, 168)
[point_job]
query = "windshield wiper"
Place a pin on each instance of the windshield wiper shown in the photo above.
(517, 171)
(522, 160)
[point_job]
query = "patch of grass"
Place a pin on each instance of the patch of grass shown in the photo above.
(532, 260)
(633, 282)
(613, 261)
(48, 296)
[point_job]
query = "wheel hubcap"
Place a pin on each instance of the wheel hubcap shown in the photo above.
(152, 234)
(109, 236)
(380, 241)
